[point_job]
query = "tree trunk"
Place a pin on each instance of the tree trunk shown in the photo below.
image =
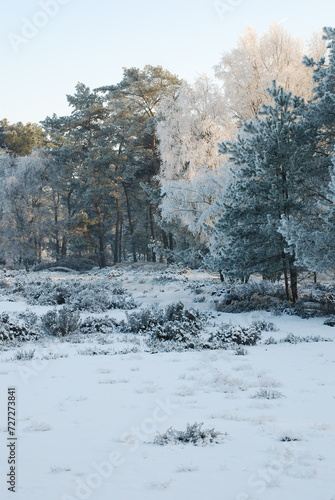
(131, 224)
(286, 281)
(102, 254)
(64, 247)
(117, 232)
(294, 282)
(152, 253)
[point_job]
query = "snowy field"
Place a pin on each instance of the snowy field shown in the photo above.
(90, 406)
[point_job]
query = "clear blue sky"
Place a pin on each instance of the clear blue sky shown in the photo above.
(91, 40)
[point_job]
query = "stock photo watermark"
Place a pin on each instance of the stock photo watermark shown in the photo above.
(225, 7)
(30, 27)
(103, 471)
(260, 481)
(35, 367)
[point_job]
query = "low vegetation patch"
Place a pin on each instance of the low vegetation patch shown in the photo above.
(194, 434)
(230, 334)
(95, 295)
(13, 331)
(175, 324)
(60, 323)
(267, 394)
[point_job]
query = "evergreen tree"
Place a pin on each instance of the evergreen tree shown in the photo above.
(141, 91)
(269, 157)
(311, 236)
(19, 139)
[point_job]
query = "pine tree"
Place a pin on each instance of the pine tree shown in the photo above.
(311, 236)
(140, 92)
(269, 157)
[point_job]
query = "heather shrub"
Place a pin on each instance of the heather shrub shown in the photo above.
(230, 334)
(60, 323)
(11, 330)
(96, 295)
(97, 325)
(194, 434)
(268, 394)
(74, 263)
(175, 323)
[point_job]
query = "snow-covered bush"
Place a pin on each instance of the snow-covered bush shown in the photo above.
(143, 320)
(24, 355)
(30, 319)
(267, 394)
(75, 264)
(97, 325)
(175, 323)
(288, 438)
(95, 351)
(194, 434)
(10, 330)
(60, 323)
(230, 334)
(148, 319)
(241, 351)
(176, 331)
(329, 321)
(263, 295)
(270, 341)
(294, 339)
(3, 284)
(89, 295)
(264, 326)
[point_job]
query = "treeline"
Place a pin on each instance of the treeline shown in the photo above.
(135, 171)
(265, 203)
(84, 184)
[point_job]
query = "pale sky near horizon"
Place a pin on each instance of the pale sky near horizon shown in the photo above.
(47, 46)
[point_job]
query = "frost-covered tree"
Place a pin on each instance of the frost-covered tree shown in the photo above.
(312, 237)
(270, 157)
(192, 172)
(85, 171)
(140, 92)
(248, 70)
(26, 208)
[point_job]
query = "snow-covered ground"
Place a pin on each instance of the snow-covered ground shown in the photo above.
(89, 409)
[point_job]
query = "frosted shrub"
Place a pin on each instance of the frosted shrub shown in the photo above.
(24, 355)
(11, 330)
(30, 319)
(143, 320)
(71, 263)
(88, 295)
(152, 318)
(167, 329)
(176, 331)
(330, 321)
(97, 325)
(194, 434)
(294, 339)
(177, 312)
(268, 394)
(234, 335)
(60, 323)
(264, 326)
(241, 351)
(263, 295)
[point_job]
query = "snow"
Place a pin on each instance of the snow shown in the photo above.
(87, 423)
